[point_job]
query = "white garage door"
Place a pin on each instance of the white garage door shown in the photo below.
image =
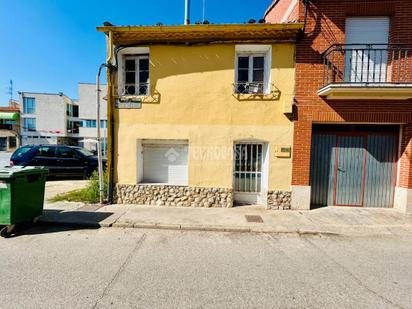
(165, 163)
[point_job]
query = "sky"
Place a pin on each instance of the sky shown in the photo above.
(51, 45)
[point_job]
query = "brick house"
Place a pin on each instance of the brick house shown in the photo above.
(353, 106)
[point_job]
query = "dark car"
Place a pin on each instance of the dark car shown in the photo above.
(62, 161)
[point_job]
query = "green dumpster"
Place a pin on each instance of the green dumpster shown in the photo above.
(21, 195)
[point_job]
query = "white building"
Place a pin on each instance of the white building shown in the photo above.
(87, 116)
(48, 118)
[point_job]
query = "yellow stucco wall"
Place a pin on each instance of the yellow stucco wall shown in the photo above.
(195, 102)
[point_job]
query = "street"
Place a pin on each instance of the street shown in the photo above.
(49, 267)
(4, 158)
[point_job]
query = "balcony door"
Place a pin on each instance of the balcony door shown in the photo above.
(366, 53)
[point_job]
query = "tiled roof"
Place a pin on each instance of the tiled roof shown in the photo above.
(127, 35)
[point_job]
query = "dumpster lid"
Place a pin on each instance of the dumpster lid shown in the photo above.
(12, 171)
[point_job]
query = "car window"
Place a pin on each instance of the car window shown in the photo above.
(21, 151)
(66, 152)
(85, 152)
(45, 151)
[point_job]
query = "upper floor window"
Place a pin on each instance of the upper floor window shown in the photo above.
(89, 123)
(75, 111)
(29, 124)
(136, 75)
(253, 67)
(250, 73)
(69, 110)
(29, 105)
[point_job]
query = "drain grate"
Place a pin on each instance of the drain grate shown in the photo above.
(254, 219)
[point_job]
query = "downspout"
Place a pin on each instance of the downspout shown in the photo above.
(305, 20)
(110, 120)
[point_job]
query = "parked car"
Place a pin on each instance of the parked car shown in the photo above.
(62, 161)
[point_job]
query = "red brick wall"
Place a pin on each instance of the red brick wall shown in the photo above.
(326, 26)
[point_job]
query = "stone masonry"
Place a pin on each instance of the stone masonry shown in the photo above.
(167, 195)
(183, 196)
(279, 200)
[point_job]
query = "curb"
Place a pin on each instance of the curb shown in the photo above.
(179, 227)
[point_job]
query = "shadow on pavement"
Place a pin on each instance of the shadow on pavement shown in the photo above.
(24, 229)
(80, 217)
(56, 220)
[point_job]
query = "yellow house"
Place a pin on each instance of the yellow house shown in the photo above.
(201, 115)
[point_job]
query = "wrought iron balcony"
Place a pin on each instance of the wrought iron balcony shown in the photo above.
(362, 66)
(257, 88)
(4, 126)
(137, 89)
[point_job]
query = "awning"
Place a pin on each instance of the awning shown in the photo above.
(9, 116)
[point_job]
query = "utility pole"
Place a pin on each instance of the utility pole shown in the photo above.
(99, 145)
(10, 90)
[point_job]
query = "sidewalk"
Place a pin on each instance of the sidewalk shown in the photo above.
(329, 220)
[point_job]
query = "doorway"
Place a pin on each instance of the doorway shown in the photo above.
(249, 173)
(355, 168)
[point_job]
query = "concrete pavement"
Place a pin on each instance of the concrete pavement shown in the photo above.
(137, 268)
(56, 187)
(4, 158)
(330, 220)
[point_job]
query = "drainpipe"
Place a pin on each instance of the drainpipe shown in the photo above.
(187, 12)
(110, 126)
(306, 5)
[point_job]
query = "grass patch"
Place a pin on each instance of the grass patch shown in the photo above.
(90, 194)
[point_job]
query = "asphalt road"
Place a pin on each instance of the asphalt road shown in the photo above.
(130, 268)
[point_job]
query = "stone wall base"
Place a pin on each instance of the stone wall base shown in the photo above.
(169, 195)
(279, 200)
(184, 196)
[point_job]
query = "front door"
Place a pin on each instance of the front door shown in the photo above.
(248, 172)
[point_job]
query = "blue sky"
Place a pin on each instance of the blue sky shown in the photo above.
(51, 45)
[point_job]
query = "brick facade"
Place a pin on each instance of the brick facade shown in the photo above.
(326, 26)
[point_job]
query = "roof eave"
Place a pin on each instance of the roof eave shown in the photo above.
(204, 33)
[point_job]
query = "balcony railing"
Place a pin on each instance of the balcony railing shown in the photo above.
(4, 126)
(138, 89)
(257, 88)
(369, 65)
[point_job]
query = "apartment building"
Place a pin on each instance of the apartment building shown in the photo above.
(10, 126)
(87, 116)
(353, 102)
(201, 114)
(48, 118)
